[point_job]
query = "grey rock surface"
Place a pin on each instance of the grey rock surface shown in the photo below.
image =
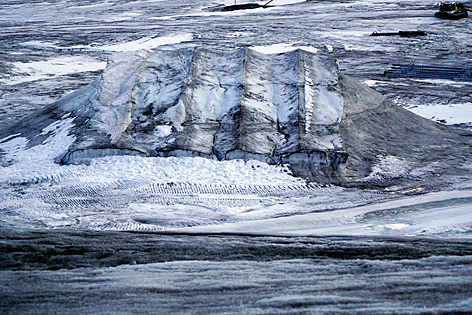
(373, 127)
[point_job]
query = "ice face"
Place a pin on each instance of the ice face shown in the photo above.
(278, 106)
(216, 103)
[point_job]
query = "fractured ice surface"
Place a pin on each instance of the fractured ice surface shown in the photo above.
(275, 104)
(244, 103)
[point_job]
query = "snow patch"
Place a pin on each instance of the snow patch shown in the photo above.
(12, 147)
(282, 48)
(388, 167)
(448, 114)
(37, 70)
(162, 131)
(39, 159)
(395, 226)
(149, 42)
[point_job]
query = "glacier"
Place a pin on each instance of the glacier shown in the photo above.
(97, 216)
(218, 139)
(282, 106)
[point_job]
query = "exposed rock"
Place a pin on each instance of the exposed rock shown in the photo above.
(246, 6)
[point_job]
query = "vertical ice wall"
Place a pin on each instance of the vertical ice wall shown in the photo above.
(269, 103)
(155, 98)
(221, 104)
(210, 102)
(320, 103)
(243, 102)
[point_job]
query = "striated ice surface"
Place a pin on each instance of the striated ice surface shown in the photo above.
(217, 101)
(279, 105)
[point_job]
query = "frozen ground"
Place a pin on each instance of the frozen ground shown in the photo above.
(49, 212)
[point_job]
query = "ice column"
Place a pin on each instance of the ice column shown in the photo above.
(320, 104)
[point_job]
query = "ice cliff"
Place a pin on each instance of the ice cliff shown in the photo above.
(283, 108)
(278, 108)
(221, 104)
